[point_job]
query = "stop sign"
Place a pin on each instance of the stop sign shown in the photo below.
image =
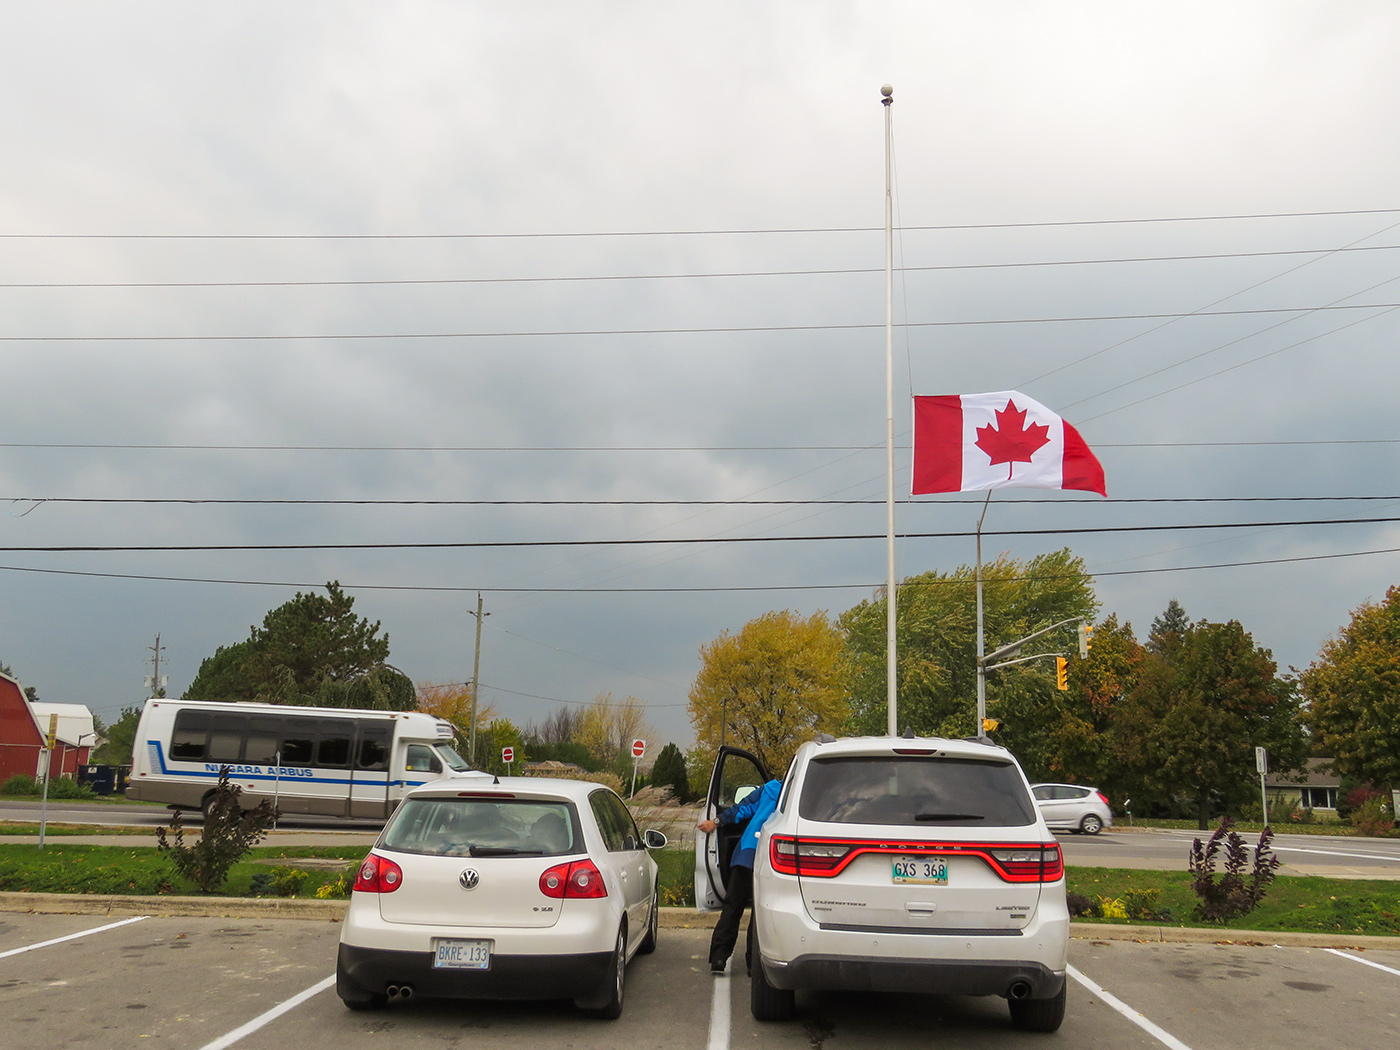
(507, 755)
(639, 748)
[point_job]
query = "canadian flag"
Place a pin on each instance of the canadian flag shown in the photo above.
(974, 442)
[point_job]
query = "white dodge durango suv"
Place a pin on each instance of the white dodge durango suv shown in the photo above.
(906, 865)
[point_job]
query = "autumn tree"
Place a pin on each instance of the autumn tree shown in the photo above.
(498, 734)
(607, 727)
(1353, 695)
(1190, 724)
(310, 650)
(769, 688)
(936, 641)
(452, 702)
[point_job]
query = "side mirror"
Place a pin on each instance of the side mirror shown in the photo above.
(740, 794)
(653, 839)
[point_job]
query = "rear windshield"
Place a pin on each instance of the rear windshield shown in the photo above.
(918, 791)
(475, 827)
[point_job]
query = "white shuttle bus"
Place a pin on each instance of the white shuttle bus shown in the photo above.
(323, 760)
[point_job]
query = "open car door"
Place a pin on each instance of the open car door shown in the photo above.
(737, 774)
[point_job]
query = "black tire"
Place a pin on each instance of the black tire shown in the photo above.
(648, 944)
(205, 803)
(1091, 825)
(1039, 1015)
(614, 984)
(767, 1003)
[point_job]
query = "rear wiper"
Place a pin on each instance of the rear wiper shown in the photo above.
(949, 816)
(504, 851)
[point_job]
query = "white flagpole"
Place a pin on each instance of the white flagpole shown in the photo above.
(891, 704)
(981, 730)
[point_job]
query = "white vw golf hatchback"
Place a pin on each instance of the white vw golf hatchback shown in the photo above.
(898, 864)
(523, 888)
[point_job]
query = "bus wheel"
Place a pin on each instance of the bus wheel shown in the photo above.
(205, 803)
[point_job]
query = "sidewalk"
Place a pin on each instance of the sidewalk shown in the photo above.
(671, 918)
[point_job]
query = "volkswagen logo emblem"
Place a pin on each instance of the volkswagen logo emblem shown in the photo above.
(469, 878)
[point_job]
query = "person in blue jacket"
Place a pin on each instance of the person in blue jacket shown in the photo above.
(757, 808)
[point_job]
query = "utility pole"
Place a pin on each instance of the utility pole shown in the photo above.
(476, 676)
(155, 682)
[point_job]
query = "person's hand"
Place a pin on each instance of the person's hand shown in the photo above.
(707, 826)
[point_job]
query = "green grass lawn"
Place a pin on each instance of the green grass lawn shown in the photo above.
(1333, 828)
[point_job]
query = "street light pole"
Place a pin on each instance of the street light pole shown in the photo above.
(476, 676)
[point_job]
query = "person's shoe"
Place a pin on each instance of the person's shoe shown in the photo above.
(718, 967)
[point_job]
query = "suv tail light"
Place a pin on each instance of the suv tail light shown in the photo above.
(827, 858)
(573, 880)
(378, 875)
(1033, 864)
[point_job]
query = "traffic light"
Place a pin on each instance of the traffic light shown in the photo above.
(990, 725)
(1061, 673)
(1085, 630)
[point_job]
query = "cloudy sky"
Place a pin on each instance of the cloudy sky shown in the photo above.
(461, 273)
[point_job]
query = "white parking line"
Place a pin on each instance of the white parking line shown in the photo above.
(72, 936)
(1364, 962)
(271, 1015)
(1166, 1038)
(719, 1011)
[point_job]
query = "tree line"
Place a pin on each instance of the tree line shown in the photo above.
(1170, 721)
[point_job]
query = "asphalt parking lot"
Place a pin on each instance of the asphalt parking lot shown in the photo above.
(204, 983)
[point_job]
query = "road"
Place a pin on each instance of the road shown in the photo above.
(1157, 849)
(1165, 850)
(210, 984)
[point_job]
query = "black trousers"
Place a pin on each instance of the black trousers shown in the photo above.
(738, 896)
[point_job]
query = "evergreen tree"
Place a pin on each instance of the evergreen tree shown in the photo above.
(669, 771)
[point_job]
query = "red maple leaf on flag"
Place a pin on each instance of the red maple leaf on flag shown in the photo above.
(1011, 441)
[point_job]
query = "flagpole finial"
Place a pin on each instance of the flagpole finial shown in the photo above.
(888, 92)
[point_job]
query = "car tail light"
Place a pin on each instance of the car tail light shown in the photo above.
(1031, 864)
(793, 856)
(1103, 798)
(378, 875)
(573, 880)
(826, 858)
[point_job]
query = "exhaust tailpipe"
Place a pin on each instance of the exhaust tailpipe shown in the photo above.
(1019, 990)
(405, 992)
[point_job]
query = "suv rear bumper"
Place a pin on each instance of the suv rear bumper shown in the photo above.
(1030, 980)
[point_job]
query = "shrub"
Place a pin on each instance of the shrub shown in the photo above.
(20, 784)
(1230, 895)
(67, 787)
(229, 833)
(1143, 904)
(337, 888)
(279, 882)
(1372, 817)
(1112, 908)
(1081, 907)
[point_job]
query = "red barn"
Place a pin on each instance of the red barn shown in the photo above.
(23, 727)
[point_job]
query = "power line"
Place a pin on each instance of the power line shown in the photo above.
(680, 233)
(113, 446)
(162, 501)
(834, 272)
(869, 585)
(729, 330)
(663, 541)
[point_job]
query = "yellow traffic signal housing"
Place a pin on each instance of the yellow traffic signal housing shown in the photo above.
(1085, 631)
(990, 725)
(1061, 673)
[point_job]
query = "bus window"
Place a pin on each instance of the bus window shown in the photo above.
(374, 746)
(226, 741)
(422, 760)
(297, 737)
(333, 749)
(190, 740)
(264, 738)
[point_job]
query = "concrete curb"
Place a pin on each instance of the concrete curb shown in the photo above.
(671, 918)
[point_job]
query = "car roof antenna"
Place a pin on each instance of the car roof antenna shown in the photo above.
(496, 779)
